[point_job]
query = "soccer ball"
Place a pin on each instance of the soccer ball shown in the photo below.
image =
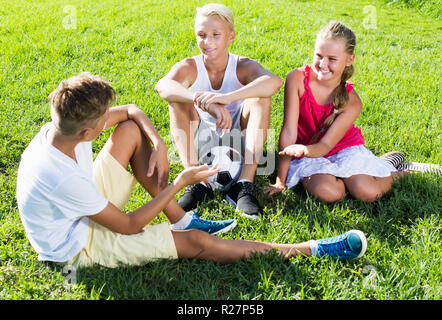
(230, 163)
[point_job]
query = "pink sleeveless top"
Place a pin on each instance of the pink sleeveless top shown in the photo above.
(312, 117)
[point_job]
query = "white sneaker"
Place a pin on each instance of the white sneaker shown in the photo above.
(420, 167)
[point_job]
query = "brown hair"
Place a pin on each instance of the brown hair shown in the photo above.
(80, 101)
(333, 31)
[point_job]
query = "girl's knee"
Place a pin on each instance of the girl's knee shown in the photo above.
(364, 191)
(367, 195)
(329, 192)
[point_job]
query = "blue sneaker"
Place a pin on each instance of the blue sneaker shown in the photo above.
(347, 246)
(211, 227)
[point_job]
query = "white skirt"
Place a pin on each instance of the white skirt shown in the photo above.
(343, 164)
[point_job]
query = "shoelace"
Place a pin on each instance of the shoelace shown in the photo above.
(247, 188)
(203, 221)
(336, 245)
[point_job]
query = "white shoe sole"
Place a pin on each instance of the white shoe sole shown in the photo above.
(420, 167)
(363, 241)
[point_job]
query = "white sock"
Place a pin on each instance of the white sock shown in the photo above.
(244, 180)
(182, 223)
(313, 247)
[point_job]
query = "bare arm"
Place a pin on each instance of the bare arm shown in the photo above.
(334, 134)
(258, 83)
(174, 86)
(289, 131)
(114, 219)
(133, 112)
(158, 159)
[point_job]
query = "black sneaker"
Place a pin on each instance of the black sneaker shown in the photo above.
(194, 194)
(242, 196)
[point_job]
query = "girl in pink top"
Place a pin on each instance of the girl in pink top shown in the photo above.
(320, 145)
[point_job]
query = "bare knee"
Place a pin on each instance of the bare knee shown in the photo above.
(198, 239)
(186, 110)
(128, 128)
(329, 192)
(262, 103)
(364, 190)
(367, 194)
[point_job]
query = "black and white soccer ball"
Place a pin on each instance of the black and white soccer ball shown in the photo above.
(230, 163)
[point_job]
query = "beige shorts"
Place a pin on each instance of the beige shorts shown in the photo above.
(111, 249)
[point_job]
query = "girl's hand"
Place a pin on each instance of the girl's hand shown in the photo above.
(158, 160)
(196, 174)
(274, 188)
(295, 150)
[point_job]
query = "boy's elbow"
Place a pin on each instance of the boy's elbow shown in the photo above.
(160, 89)
(157, 88)
(275, 83)
(278, 82)
(131, 227)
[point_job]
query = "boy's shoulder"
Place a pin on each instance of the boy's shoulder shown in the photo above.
(247, 63)
(247, 70)
(188, 62)
(184, 71)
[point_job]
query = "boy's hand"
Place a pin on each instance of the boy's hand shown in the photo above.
(204, 99)
(214, 104)
(222, 115)
(196, 174)
(295, 150)
(158, 159)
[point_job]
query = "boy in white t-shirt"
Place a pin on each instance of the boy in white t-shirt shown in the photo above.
(71, 206)
(214, 95)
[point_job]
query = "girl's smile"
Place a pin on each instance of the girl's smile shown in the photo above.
(330, 59)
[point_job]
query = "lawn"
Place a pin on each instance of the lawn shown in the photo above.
(134, 43)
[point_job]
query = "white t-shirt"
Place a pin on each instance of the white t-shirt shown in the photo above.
(55, 195)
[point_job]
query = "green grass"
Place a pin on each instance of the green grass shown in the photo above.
(133, 44)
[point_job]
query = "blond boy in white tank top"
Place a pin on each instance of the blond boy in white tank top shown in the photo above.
(214, 93)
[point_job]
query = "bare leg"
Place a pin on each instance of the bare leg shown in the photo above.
(128, 145)
(255, 118)
(184, 122)
(369, 188)
(325, 187)
(198, 244)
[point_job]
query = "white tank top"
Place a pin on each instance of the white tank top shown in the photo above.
(230, 83)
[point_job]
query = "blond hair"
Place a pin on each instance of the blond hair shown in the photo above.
(80, 101)
(338, 31)
(217, 9)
